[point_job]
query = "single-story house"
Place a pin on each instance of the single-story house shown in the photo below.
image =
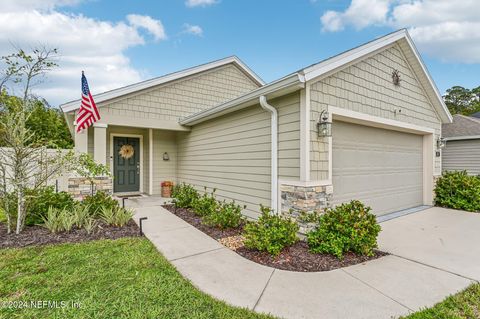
(364, 124)
(462, 144)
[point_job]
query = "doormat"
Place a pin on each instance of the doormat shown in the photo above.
(128, 196)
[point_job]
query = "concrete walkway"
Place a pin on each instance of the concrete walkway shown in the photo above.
(384, 288)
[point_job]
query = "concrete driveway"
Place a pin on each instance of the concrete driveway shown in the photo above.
(442, 238)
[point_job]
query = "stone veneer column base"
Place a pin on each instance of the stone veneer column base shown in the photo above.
(80, 187)
(298, 200)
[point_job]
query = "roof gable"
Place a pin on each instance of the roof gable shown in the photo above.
(296, 80)
(402, 38)
(105, 96)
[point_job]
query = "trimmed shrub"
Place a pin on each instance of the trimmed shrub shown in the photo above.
(99, 201)
(40, 201)
(458, 190)
(271, 232)
(349, 227)
(206, 204)
(227, 215)
(184, 195)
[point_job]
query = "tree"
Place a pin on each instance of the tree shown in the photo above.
(460, 100)
(25, 163)
(49, 126)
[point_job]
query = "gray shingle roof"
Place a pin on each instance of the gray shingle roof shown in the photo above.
(462, 126)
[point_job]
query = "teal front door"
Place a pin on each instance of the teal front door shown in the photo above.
(126, 164)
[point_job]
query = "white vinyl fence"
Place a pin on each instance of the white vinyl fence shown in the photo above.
(60, 182)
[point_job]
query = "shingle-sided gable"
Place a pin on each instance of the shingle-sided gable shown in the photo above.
(367, 87)
(173, 100)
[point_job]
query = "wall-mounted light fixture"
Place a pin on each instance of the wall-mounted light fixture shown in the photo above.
(441, 143)
(324, 127)
(166, 157)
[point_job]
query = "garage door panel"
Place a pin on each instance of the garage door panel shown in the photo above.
(361, 183)
(379, 167)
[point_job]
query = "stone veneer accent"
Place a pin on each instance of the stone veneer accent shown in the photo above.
(307, 199)
(80, 187)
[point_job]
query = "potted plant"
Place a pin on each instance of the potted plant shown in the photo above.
(167, 189)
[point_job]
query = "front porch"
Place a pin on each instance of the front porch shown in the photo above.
(148, 159)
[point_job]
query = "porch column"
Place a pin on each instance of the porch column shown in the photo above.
(81, 140)
(100, 143)
(150, 161)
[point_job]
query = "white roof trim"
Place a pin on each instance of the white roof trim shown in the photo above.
(460, 138)
(335, 62)
(429, 78)
(323, 68)
(73, 105)
(287, 84)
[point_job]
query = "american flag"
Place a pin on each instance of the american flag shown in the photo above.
(88, 112)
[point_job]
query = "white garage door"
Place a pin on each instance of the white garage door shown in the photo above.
(382, 168)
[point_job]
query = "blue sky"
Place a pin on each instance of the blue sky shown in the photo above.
(273, 37)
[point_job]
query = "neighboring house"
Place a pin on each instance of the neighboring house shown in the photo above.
(462, 148)
(218, 125)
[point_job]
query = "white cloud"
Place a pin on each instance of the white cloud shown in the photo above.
(95, 46)
(21, 5)
(199, 3)
(153, 26)
(192, 29)
(360, 14)
(445, 29)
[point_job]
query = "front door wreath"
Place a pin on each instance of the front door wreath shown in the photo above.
(126, 151)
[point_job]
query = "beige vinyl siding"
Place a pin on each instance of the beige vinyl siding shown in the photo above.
(232, 153)
(288, 108)
(367, 87)
(462, 155)
(183, 97)
(135, 131)
(163, 141)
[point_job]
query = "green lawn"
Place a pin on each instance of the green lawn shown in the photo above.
(465, 304)
(128, 278)
(125, 278)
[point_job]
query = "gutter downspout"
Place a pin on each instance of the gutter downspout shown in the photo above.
(274, 149)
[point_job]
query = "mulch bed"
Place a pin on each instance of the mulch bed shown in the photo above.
(196, 221)
(298, 258)
(37, 235)
(294, 258)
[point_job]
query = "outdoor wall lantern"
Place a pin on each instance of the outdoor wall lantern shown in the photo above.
(324, 127)
(166, 157)
(441, 143)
